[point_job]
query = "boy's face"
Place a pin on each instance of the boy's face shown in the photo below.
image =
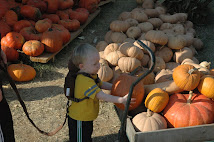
(91, 64)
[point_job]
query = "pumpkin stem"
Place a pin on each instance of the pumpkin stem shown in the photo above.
(149, 113)
(192, 70)
(190, 97)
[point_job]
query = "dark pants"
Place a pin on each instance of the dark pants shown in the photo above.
(6, 120)
(80, 131)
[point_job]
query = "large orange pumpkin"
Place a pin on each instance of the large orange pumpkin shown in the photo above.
(186, 77)
(191, 109)
(121, 87)
(21, 72)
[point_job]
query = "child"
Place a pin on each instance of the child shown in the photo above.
(88, 91)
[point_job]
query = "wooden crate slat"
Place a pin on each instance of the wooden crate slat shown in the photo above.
(45, 57)
(197, 133)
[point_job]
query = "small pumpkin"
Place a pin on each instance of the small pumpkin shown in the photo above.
(206, 86)
(186, 77)
(128, 64)
(11, 53)
(30, 12)
(71, 25)
(4, 29)
(30, 33)
(21, 72)
(13, 40)
(42, 25)
(20, 25)
(149, 121)
(105, 73)
(157, 100)
(119, 26)
(121, 88)
(158, 37)
(33, 48)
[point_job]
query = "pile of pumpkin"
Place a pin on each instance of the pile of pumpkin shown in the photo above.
(35, 26)
(173, 40)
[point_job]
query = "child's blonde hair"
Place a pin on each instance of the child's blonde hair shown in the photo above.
(81, 52)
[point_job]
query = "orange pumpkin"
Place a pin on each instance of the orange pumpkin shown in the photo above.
(11, 17)
(71, 25)
(191, 109)
(33, 48)
(62, 31)
(30, 33)
(212, 72)
(90, 5)
(157, 100)
(52, 42)
(13, 40)
(21, 72)
(31, 12)
(20, 25)
(4, 28)
(121, 87)
(206, 86)
(42, 25)
(186, 77)
(11, 53)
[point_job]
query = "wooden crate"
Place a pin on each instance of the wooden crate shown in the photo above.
(200, 133)
(45, 57)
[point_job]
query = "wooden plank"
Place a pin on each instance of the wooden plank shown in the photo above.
(191, 134)
(45, 57)
(103, 2)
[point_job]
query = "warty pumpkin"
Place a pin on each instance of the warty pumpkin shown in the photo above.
(191, 109)
(33, 48)
(186, 77)
(21, 72)
(121, 88)
(149, 121)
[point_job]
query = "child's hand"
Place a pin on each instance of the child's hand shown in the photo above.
(133, 100)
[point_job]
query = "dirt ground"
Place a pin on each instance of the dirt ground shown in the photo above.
(44, 96)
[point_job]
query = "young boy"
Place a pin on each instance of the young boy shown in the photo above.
(82, 113)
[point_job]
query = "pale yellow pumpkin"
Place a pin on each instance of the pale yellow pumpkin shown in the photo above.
(149, 121)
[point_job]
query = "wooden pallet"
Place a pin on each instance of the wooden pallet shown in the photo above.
(45, 57)
(105, 2)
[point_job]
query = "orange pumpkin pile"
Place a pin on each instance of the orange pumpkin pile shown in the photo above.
(47, 21)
